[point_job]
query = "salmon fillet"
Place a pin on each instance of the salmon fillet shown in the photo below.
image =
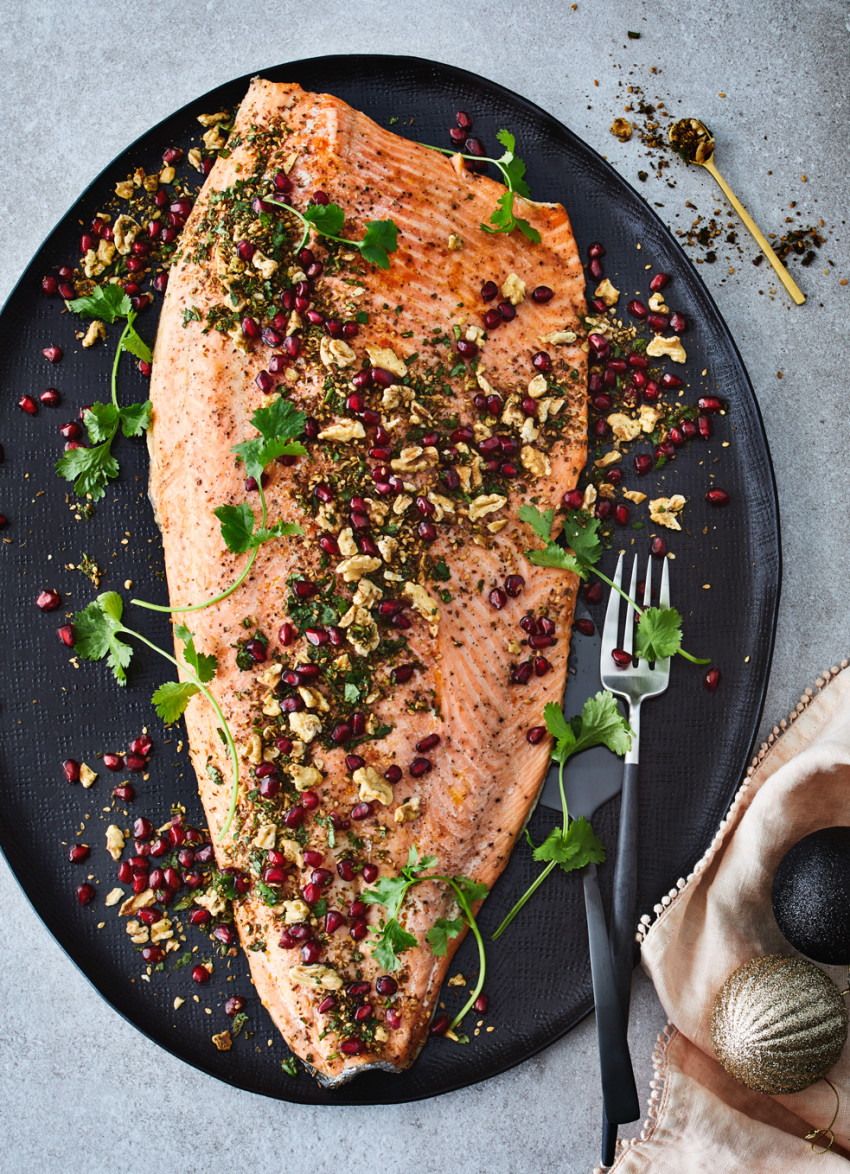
(460, 652)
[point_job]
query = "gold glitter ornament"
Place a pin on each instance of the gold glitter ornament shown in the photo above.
(778, 1024)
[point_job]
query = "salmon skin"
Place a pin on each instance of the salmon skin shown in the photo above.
(414, 639)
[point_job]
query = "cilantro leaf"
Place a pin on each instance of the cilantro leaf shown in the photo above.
(541, 523)
(204, 666)
(135, 418)
(269, 895)
(527, 230)
(514, 167)
(502, 215)
(583, 539)
(389, 892)
(561, 731)
(393, 941)
(98, 628)
(278, 530)
(602, 724)
(108, 302)
(327, 219)
(417, 863)
(380, 240)
(172, 698)
(440, 933)
(237, 526)
(555, 556)
(100, 421)
(572, 849)
(258, 453)
(472, 890)
(135, 344)
(89, 468)
(659, 633)
(281, 420)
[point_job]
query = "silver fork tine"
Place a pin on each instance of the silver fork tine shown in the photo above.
(664, 594)
(612, 615)
(629, 634)
(647, 590)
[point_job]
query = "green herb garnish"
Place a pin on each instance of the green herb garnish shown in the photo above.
(659, 630)
(91, 469)
(99, 635)
(393, 939)
(573, 844)
(327, 220)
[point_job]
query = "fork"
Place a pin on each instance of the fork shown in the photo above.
(635, 684)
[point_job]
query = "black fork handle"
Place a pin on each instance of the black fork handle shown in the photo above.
(619, 1094)
(623, 914)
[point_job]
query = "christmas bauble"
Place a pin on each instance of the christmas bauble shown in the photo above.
(778, 1024)
(811, 896)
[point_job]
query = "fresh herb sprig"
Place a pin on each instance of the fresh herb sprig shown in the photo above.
(393, 939)
(659, 630)
(278, 425)
(327, 220)
(503, 217)
(573, 844)
(91, 469)
(100, 635)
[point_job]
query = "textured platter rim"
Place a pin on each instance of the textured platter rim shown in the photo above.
(378, 63)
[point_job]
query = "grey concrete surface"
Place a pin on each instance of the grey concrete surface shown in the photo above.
(81, 1088)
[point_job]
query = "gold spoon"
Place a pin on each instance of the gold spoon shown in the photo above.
(694, 142)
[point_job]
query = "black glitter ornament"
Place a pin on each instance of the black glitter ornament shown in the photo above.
(811, 896)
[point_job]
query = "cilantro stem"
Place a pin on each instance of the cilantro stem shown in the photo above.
(680, 651)
(482, 960)
(223, 594)
(341, 240)
(118, 353)
(475, 159)
(228, 737)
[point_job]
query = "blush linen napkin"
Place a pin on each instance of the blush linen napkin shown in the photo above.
(700, 1118)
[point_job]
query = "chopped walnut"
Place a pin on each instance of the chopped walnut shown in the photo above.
(343, 431)
(212, 901)
(607, 292)
(114, 896)
(213, 139)
(623, 427)
(266, 266)
(138, 901)
(408, 811)
(486, 503)
(315, 976)
(305, 726)
(357, 566)
(513, 288)
(656, 303)
(223, 1041)
(396, 396)
(195, 159)
(336, 352)
(87, 775)
(649, 417)
(114, 841)
(634, 495)
(610, 458)
(124, 189)
(253, 749)
(455, 242)
(125, 231)
(663, 510)
(422, 601)
(560, 337)
(671, 347)
(388, 359)
(622, 129)
(212, 119)
(535, 461)
(304, 777)
(372, 787)
(295, 911)
(96, 330)
(266, 836)
(161, 930)
(589, 498)
(414, 459)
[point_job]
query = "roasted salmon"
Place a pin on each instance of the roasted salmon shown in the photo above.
(381, 672)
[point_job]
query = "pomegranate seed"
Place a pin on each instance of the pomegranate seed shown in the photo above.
(659, 281)
(676, 436)
(358, 932)
(522, 673)
(595, 269)
(309, 800)
(658, 547)
(488, 291)
(541, 666)
(614, 476)
(540, 641)
(294, 817)
(85, 893)
(542, 294)
(598, 344)
(497, 598)
(586, 627)
(650, 392)
(49, 286)
(622, 514)
(420, 767)
(481, 1004)
(341, 734)
(637, 309)
(621, 658)
(596, 249)
(514, 585)
(67, 635)
(402, 673)
(541, 362)
(657, 322)
(250, 327)
(712, 679)
(643, 463)
(282, 182)
(429, 742)
(535, 735)
(704, 426)
(466, 348)
(27, 404)
(50, 398)
(125, 872)
(78, 853)
(287, 634)
(392, 1019)
(593, 592)
(345, 870)
(492, 319)
(47, 600)
(717, 497)
(200, 974)
(199, 916)
(113, 761)
(427, 531)
(689, 429)
(352, 1047)
(361, 811)
(334, 920)
(671, 381)
(393, 774)
(125, 792)
(573, 499)
(603, 510)
(276, 875)
(363, 1012)
(370, 873)
(678, 322)
(440, 1025)
(710, 404)
(135, 763)
(234, 1005)
(71, 431)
